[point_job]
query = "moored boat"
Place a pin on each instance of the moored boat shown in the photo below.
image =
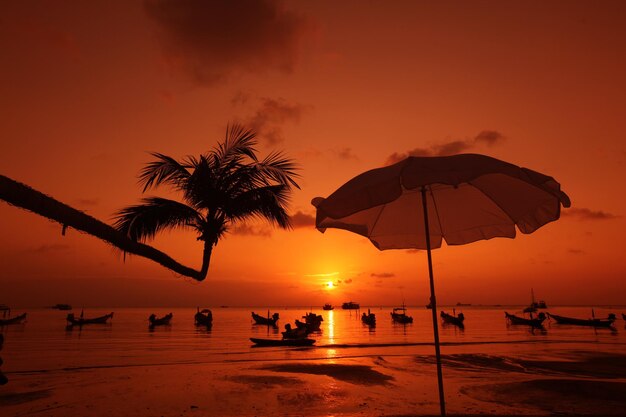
(203, 317)
(268, 321)
(282, 342)
(73, 321)
(456, 320)
(369, 318)
(160, 321)
(297, 333)
(350, 305)
(312, 322)
(328, 307)
(593, 322)
(532, 322)
(13, 320)
(398, 315)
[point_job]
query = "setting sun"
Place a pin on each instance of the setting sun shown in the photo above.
(330, 285)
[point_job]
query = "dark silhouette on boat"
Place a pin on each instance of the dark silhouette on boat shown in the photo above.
(398, 315)
(456, 320)
(13, 320)
(73, 321)
(160, 321)
(534, 305)
(593, 322)
(267, 321)
(328, 307)
(350, 305)
(203, 317)
(312, 322)
(369, 318)
(536, 322)
(297, 333)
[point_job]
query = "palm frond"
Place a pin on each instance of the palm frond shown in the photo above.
(268, 203)
(238, 142)
(141, 222)
(277, 167)
(164, 170)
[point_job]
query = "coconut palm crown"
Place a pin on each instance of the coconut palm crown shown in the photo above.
(225, 186)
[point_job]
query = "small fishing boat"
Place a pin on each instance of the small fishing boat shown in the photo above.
(533, 322)
(312, 322)
(160, 321)
(350, 305)
(456, 320)
(203, 317)
(398, 315)
(267, 321)
(13, 320)
(282, 342)
(328, 307)
(369, 318)
(607, 322)
(73, 321)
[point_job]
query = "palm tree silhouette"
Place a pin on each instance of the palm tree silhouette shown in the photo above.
(221, 188)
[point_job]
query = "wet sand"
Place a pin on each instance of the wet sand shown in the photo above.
(586, 383)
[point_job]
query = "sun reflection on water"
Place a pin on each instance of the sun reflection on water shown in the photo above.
(331, 326)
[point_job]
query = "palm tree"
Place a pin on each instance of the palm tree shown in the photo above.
(221, 188)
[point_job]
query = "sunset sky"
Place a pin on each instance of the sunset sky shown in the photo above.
(88, 89)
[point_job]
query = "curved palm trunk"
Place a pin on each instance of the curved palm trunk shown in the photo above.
(23, 196)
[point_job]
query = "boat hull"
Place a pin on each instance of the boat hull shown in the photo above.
(13, 320)
(283, 342)
(582, 322)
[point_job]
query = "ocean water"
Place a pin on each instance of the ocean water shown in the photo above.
(126, 369)
(44, 344)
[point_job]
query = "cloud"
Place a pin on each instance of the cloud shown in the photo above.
(245, 229)
(347, 281)
(345, 154)
(210, 41)
(300, 219)
(270, 116)
(382, 275)
(87, 201)
(485, 137)
(412, 251)
(55, 247)
(587, 214)
(576, 251)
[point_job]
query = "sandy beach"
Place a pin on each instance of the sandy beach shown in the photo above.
(586, 383)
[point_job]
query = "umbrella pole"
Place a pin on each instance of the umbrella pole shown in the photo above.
(433, 302)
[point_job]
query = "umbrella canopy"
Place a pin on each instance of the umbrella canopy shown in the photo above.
(420, 201)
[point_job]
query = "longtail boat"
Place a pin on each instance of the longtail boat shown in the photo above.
(450, 319)
(328, 306)
(282, 342)
(160, 321)
(13, 320)
(203, 317)
(533, 322)
(607, 322)
(350, 305)
(369, 318)
(268, 321)
(398, 315)
(312, 322)
(73, 321)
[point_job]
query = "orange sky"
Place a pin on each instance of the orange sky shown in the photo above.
(88, 88)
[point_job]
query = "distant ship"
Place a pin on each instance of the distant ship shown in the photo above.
(350, 306)
(328, 307)
(62, 306)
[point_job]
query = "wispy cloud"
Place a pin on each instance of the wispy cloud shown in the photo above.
(576, 251)
(87, 201)
(582, 213)
(246, 229)
(210, 41)
(302, 220)
(486, 137)
(382, 275)
(345, 154)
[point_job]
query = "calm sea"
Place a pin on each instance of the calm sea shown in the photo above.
(43, 344)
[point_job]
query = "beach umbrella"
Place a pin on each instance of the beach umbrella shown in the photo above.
(419, 201)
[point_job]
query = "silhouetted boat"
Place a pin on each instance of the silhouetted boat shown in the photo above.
(312, 322)
(607, 322)
(297, 333)
(533, 322)
(160, 321)
(13, 320)
(534, 305)
(328, 307)
(460, 304)
(268, 321)
(62, 307)
(369, 318)
(350, 305)
(282, 342)
(398, 315)
(450, 319)
(73, 321)
(204, 317)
